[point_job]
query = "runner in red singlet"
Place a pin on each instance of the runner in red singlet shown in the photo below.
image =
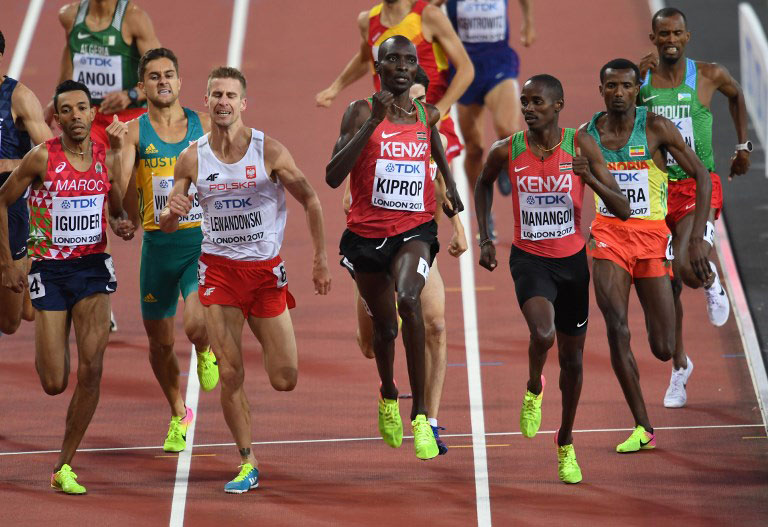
(71, 275)
(548, 259)
(437, 46)
(391, 237)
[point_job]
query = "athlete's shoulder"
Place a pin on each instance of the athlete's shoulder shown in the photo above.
(433, 114)
(136, 19)
(713, 71)
(23, 95)
(67, 15)
(134, 127)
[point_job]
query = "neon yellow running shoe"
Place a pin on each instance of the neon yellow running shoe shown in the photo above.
(639, 440)
(390, 424)
(567, 468)
(207, 369)
(66, 481)
(176, 440)
(530, 414)
(424, 438)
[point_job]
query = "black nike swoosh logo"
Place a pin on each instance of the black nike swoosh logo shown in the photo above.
(184, 437)
(643, 444)
(722, 292)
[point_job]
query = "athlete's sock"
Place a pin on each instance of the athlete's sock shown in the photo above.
(716, 281)
(432, 422)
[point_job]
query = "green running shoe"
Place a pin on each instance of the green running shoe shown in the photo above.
(390, 424)
(176, 440)
(530, 414)
(424, 438)
(207, 369)
(567, 468)
(639, 440)
(66, 481)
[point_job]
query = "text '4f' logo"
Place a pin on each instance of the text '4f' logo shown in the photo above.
(250, 172)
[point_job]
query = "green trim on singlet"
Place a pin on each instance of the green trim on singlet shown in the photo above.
(516, 145)
(422, 111)
(569, 141)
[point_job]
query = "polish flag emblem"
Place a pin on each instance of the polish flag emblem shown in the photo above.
(250, 172)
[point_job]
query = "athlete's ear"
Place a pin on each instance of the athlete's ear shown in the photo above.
(600, 88)
(559, 105)
(243, 104)
(140, 85)
(376, 65)
(92, 111)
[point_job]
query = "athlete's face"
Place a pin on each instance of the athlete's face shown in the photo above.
(397, 66)
(670, 37)
(161, 82)
(539, 107)
(225, 101)
(619, 90)
(74, 115)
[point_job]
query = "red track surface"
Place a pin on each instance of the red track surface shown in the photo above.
(700, 476)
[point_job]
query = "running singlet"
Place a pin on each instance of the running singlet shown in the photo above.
(681, 105)
(243, 209)
(14, 143)
(481, 24)
(390, 187)
(154, 177)
(102, 60)
(431, 55)
(546, 198)
(640, 180)
(67, 214)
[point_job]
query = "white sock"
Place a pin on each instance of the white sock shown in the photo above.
(432, 422)
(716, 281)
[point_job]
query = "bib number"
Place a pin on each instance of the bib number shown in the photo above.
(399, 185)
(36, 287)
(634, 185)
(685, 127)
(102, 74)
(77, 220)
(161, 189)
(669, 254)
(546, 215)
(481, 20)
(279, 272)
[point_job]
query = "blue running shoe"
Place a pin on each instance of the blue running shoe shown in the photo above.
(247, 479)
(442, 448)
(505, 185)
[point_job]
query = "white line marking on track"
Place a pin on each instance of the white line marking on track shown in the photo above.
(377, 438)
(185, 458)
(472, 347)
(237, 33)
(25, 39)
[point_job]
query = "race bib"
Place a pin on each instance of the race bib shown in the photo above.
(634, 185)
(481, 20)
(546, 215)
(399, 185)
(234, 221)
(77, 221)
(101, 73)
(685, 127)
(161, 189)
(432, 170)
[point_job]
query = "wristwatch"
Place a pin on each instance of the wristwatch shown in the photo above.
(133, 95)
(744, 146)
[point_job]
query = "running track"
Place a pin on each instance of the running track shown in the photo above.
(322, 463)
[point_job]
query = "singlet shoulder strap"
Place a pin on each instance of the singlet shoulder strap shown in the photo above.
(82, 11)
(117, 19)
(569, 141)
(647, 79)
(516, 144)
(690, 73)
(422, 112)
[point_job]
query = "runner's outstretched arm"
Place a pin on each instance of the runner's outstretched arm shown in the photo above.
(591, 168)
(698, 248)
(498, 160)
(438, 154)
(32, 165)
(279, 162)
(179, 203)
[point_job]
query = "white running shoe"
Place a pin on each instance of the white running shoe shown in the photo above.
(718, 305)
(676, 396)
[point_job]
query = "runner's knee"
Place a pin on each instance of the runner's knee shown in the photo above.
(662, 347)
(384, 332)
(285, 379)
(677, 286)
(9, 323)
(618, 332)
(435, 328)
(543, 337)
(474, 151)
(408, 304)
(160, 348)
(53, 384)
(195, 331)
(231, 378)
(89, 374)
(365, 346)
(571, 362)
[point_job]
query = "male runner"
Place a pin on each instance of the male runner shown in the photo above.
(484, 30)
(391, 238)
(71, 275)
(633, 142)
(681, 90)
(432, 296)
(104, 41)
(21, 127)
(548, 259)
(241, 176)
(168, 261)
(436, 43)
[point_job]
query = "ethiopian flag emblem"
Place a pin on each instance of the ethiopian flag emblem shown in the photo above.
(637, 151)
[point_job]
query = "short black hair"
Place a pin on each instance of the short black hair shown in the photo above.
(70, 85)
(422, 78)
(666, 13)
(394, 38)
(549, 82)
(2, 44)
(154, 54)
(620, 64)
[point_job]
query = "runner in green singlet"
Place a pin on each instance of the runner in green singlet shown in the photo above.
(681, 90)
(168, 260)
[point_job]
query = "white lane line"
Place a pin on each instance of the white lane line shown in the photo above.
(237, 33)
(472, 347)
(743, 319)
(185, 458)
(378, 438)
(25, 39)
